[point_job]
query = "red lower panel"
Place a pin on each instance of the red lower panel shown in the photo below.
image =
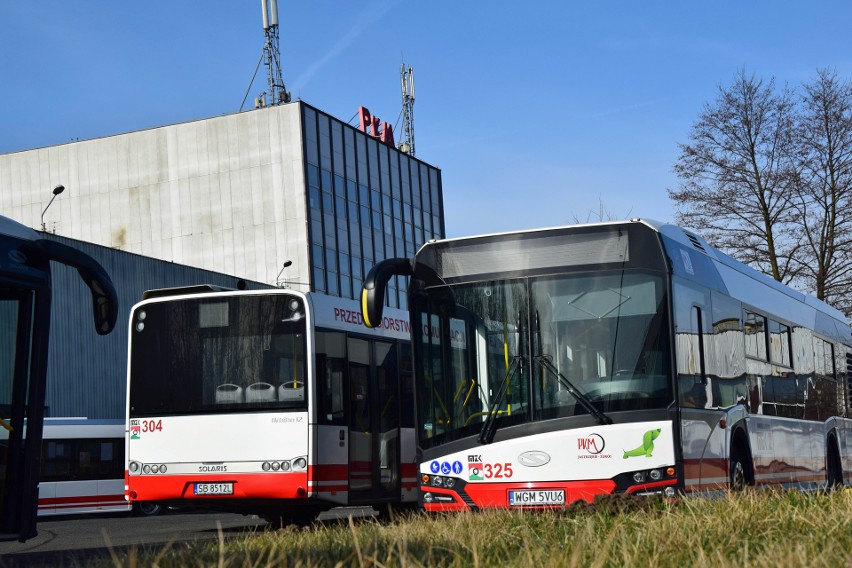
(654, 485)
(246, 486)
(496, 495)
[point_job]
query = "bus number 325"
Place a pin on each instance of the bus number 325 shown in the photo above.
(498, 470)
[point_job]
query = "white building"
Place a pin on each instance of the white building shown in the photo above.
(240, 194)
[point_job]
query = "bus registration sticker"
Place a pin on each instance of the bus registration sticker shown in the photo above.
(531, 498)
(214, 488)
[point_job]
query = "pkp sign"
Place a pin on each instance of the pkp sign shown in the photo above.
(370, 125)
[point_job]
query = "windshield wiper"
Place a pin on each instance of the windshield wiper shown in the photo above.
(489, 426)
(545, 362)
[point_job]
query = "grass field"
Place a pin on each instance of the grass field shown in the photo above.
(772, 529)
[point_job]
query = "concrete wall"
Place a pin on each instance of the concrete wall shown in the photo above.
(225, 194)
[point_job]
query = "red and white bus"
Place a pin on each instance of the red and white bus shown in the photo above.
(560, 364)
(82, 468)
(272, 402)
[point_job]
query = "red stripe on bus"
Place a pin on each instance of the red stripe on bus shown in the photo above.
(68, 501)
(324, 478)
(697, 472)
(329, 472)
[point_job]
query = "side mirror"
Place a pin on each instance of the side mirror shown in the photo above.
(375, 286)
(104, 297)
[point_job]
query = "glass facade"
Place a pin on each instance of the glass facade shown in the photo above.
(366, 202)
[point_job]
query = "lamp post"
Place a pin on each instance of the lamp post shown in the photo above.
(278, 282)
(56, 191)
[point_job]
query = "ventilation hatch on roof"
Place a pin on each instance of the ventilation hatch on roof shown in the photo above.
(695, 242)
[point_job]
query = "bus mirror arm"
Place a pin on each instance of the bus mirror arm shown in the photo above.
(375, 286)
(104, 297)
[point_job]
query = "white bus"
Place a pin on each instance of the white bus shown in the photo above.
(555, 365)
(272, 402)
(82, 468)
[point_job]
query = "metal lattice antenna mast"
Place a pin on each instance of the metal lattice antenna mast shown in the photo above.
(406, 77)
(277, 92)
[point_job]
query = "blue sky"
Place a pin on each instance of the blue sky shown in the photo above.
(538, 113)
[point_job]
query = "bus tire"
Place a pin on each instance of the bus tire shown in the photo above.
(834, 469)
(740, 470)
(147, 509)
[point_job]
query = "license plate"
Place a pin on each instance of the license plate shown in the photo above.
(214, 488)
(533, 497)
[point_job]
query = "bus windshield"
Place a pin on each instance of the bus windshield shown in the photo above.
(218, 355)
(537, 348)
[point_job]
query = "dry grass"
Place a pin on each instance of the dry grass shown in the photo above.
(751, 529)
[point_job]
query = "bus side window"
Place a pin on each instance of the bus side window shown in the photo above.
(99, 459)
(330, 366)
(56, 460)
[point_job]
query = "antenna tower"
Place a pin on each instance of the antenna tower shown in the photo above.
(277, 93)
(406, 77)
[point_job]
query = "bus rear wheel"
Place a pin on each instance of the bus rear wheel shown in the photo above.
(739, 469)
(834, 466)
(147, 509)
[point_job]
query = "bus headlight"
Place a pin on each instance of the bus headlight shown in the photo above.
(300, 463)
(655, 474)
(285, 466)
(146, 468)
(134, 467)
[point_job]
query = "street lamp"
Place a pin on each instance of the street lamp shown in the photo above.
(56, 191)
(280, 283)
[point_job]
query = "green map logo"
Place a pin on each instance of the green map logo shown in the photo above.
(647, 447)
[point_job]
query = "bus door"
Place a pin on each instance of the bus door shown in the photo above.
(24, 326)
(373, 420)
(22, 334)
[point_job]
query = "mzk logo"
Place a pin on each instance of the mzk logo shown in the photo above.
(647, 447)
(134, 430)
(474, 467)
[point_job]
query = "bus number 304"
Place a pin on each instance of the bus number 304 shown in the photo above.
(152, 425)
(498, 470)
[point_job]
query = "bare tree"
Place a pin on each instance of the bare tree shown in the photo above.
(825, 188)
(738, 176)
(602, 215)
